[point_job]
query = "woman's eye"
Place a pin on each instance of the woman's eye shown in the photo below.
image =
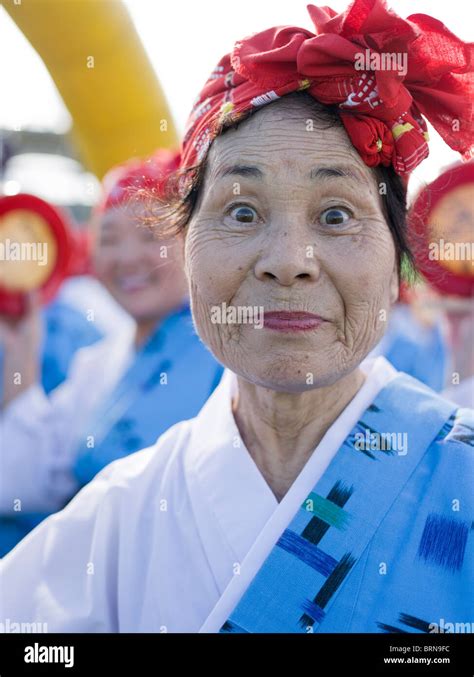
(335, 216)
(107, 242)
(146, 234)
(243, 214)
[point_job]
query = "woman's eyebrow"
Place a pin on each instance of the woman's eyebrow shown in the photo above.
(240, 170)
(106, 227)
(318, 173)
(335, 172)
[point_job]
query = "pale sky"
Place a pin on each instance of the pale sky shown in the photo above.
(184, 40)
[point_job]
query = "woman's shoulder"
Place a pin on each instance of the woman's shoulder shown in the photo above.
(458, 431)
(407, 398)
(429, 422)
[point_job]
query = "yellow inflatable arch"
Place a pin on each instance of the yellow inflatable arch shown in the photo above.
(99, 65)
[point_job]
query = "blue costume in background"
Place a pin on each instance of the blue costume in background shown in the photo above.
(65, 331)
(419, 351)
(171, 377)
(168, 380)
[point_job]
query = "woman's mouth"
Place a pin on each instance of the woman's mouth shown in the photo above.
(288, 321)
(133, 283)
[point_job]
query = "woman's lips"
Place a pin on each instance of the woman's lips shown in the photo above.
(291, 321)
(133, 283)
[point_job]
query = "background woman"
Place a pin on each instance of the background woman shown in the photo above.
(122, 392)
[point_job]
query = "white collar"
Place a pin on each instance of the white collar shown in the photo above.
(228, 476)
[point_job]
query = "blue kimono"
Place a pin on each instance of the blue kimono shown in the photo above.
(384, 541)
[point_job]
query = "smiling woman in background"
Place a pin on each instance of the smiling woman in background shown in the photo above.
(315, 490)
(122, 392)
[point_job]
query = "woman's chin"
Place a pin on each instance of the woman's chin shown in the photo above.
(289, 378)
(141, 305)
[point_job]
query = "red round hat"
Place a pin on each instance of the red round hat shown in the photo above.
(441, 225)
(35, 249)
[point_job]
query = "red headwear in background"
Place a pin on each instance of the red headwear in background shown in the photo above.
(124, 182)
(441, 224)
(29, 220)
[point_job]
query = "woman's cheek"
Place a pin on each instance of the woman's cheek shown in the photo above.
(360, 268)
(198, 265)
(103, 268)
(365, 259)
(218, 337)
(211, 265)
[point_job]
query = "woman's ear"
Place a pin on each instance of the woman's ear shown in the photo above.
(394, 284)
(180, 241)
(181, 238)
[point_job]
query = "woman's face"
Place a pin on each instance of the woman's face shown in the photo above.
(143, 274)
(290, 221)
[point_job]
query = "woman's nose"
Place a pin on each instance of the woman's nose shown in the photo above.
(287, 258)
(128, 252)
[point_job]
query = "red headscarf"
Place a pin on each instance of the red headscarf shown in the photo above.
(123, 182)
(381, 109)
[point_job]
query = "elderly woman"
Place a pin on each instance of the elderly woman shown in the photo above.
(315, 491)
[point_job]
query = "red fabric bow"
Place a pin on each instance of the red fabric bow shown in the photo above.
(356, 60)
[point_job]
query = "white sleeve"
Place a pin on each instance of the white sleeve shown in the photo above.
(62, 574)
(38, 442)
